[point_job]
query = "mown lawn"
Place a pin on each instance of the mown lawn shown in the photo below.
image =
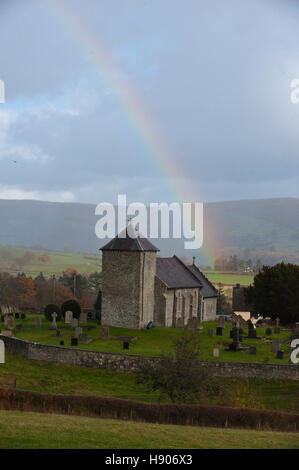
(158, 340)
(45, 377)
(24, 430)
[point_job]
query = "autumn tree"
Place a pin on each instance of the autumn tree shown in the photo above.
(45, 258)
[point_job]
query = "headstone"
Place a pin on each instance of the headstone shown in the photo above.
(17, 316)
(23, 316)
(74, 323)
(2, 318)
(210, 332)
(83, 317)
(68, 316)
(53, 325)
(180, 322)
(83, 339)
(6, 333)
(215, 352)
(126, 345)
(252, 350)
(105, 332)
(74, 342)
(78, 331)
(268, 331)
(275, 345)
(219, 331)
(277, 321)
(58, 333)
(61, 343)
(279, 354)
(277, 330)
(37, 322)
(192, 323)
(10, 322)
(221, 321)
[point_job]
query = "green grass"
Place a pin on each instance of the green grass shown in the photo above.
(24, 430)
(60, 262)
(230, 278)
(158, 340)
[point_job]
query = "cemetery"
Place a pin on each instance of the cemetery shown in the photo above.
(220, 340)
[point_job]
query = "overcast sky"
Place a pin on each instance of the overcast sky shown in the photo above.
(210, 78)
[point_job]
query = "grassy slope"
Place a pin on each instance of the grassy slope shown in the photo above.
(157, 341)
(19, 430)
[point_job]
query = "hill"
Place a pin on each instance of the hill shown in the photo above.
(257, 228)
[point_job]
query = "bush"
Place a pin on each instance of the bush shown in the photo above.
(51, 308)
(73, 306)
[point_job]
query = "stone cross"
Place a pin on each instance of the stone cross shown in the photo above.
(54, 325)
(277, 322)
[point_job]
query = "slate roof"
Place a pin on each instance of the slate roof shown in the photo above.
(175, 274)
(208, 290)
(127, 243)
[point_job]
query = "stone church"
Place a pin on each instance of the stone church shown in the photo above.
(139, 287)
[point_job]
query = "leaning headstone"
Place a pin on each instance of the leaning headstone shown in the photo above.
(10, 322)
(180, 323)
(37, 322)
(78, 331)
(279, 354)
(105, 332)
(83, 317)
(252, 350)
(74, 323)
(210, 332)
(74, 342)
(83, 339)
(53, 325)
(219, 331)
(275, 345)
(215, 352)
(68, 316)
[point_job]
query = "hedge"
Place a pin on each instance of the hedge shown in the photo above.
(106, 407)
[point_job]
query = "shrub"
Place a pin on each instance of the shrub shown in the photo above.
(51, 308)
(73, 306)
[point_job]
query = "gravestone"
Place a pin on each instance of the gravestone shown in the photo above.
(180, 322)
(37, 322)
(277, 327)
(74, 323)
(23, 316)
(279, 354)
(2, 318)
(126, 345)
(6, 317)
(83, 339)
(61, 343)
(275, 345)
(10, 323)
(53, 325)
(58, 333)
(215, 352)
(17, 316)
(74, 342)
(251, 330)
(252, 350)
(68, 316)
(83, 317)
(210, 332)
(105, 332)
(192, 323)
(221, 321)
(78, 331)
(268, 331)
(219, 331)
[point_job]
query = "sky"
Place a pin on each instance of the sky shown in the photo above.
(159, 100)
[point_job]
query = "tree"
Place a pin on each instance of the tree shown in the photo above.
(73, 306)
(180, 376)
(50, 309)
(275, 292)
(44, 258)
(223, 306)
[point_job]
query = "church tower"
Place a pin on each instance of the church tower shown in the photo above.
(129, 268)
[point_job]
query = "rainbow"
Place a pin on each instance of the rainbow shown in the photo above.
(132, 107)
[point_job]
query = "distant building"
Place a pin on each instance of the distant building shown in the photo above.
(139, 287)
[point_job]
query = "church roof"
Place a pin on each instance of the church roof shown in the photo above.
(123, 242)
(208, 289)
(175, 274)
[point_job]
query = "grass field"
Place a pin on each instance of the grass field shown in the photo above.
(24, 430)
(158, 340)
(60, 261)
(46, 377)
(229, 278)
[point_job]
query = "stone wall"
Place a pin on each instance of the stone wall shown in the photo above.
(128, 362)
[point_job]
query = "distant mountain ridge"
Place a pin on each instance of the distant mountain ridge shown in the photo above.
(239, 226)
